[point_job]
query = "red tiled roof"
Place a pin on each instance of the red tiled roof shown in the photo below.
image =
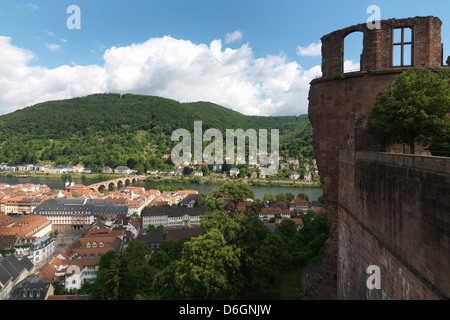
(26, 226)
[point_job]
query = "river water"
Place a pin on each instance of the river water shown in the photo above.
(59, 184)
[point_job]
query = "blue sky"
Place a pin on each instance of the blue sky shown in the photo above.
(259, 72)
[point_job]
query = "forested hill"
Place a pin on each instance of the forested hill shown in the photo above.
(109, 129)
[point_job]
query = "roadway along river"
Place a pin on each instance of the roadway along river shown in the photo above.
(59, 183)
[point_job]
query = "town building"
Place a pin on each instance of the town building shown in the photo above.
(32, 288)
(192, 200)
(154, 240)
(234, 172)
(79, 272)
(107, 169)
(76, 213)
(294, 175)
(122, 170)
(308, 176)
(12, 271)
(172, 217)
(28, 227)
(41, 251)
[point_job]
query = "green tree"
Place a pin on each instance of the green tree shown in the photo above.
(213, 201)
(187, 171)
(290, 196)
(205, 269)
(414, 109)
(58, 287)
(269, 197)
(160, 229)
(287, 228)
(263, 255)
(112, 279)
(169, 251)
(125, 275)
(236, 192)
(280, 196)
(131, 163)
(151, 229)
(303, 196)
(137, 275)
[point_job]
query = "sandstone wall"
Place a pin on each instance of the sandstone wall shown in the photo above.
(393, 213)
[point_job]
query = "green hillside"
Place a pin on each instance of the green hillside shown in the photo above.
(109, 129)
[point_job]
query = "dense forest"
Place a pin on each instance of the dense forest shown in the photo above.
(110, 129)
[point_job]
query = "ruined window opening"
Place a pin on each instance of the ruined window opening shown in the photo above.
(402, 47)
(353, 48)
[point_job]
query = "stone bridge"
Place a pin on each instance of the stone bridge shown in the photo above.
(115, 183)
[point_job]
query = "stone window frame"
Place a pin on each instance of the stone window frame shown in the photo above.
(402, 45)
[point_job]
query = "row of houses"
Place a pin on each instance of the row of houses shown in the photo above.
(261, 171)
(79, 168)
(234, 172)
(283, 209)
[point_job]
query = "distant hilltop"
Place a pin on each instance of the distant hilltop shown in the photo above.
(104, 129)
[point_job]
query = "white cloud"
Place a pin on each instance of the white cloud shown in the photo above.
(53, 46)
(22, 85)
(350, 65)
(233, 37)
(313, 50)
(167, 67)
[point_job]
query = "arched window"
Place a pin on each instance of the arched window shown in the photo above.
(353, 48)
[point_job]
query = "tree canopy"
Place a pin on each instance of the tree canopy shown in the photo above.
(414, 110)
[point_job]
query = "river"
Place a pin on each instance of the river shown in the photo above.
(59, 184)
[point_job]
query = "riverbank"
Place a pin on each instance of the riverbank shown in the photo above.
(82, 176)
(171, 179)
(220, 181)
(58, 183)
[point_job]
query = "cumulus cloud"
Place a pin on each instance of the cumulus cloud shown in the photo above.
(22, 85)
(312, 50)
(166, 67)
(233, 37)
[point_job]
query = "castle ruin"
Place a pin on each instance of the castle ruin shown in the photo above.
(390, 210)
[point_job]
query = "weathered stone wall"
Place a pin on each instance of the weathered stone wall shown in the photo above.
(357, 226)
(393, 213)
